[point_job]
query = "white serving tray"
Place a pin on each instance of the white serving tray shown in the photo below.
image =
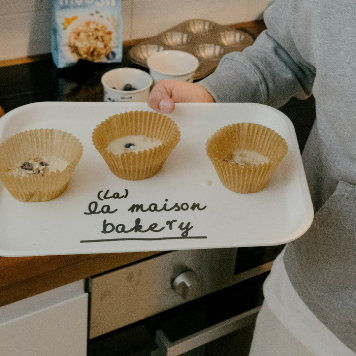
(280, 213)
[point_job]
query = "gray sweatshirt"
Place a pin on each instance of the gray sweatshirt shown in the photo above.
(310, 47)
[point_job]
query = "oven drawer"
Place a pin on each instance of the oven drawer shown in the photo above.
(137, 291)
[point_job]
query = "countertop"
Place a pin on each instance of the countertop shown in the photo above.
(22, 277)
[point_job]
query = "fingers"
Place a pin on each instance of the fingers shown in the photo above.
(160, 98)
(166, 93)
(166, 106)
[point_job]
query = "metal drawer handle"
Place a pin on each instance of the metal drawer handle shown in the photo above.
(186, 285)
(168, 348)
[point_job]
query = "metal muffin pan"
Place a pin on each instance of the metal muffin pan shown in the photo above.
(206, 40)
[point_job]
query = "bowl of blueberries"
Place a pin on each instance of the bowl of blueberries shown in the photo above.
(126, 85)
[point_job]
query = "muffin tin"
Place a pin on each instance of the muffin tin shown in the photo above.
(206, 40)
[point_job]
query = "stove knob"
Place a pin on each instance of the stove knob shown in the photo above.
(186, 285)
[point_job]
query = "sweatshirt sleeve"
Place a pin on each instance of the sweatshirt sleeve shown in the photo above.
(271, 71)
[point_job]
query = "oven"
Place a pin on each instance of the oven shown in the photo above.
(181, 301)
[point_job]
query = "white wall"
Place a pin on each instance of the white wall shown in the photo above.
(25, 24)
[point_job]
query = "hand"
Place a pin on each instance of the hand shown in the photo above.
(166, 93)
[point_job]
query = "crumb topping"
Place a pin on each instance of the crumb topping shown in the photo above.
(246, 157)
(39, 165)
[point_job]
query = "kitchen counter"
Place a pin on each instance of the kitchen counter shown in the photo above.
(20, 84)
(22, 277)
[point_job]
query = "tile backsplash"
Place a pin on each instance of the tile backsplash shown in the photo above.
(25, 25)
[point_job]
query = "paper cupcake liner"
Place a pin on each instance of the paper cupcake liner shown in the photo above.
(246, 136)
(30, 144)
(142, 164)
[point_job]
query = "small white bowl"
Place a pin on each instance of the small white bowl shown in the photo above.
(115, 80)
(171, 64)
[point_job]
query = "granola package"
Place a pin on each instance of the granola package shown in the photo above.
(88, 30)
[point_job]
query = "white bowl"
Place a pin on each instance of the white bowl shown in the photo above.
(114, 81)
(171, 64)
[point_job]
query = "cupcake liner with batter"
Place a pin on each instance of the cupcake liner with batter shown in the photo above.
(28, 145)
(142, 164)
(245, 136)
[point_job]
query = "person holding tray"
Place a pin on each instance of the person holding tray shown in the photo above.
(308, 47)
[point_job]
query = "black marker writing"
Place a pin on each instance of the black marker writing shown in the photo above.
(109, 227)
(119, 228)
(185, 228)
(170, 224)
(93, 208)
(115, 195)
(153, 207)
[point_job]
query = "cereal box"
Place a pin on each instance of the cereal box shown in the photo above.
(88, 30)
